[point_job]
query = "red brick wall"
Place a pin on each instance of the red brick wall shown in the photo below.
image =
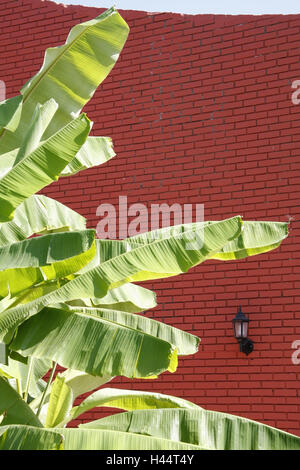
(200, 111)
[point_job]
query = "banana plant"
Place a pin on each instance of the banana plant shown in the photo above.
(69, 300)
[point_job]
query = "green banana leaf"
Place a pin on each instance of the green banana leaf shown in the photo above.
(20, 437)
(71, 73)
(185, 343)
(158, 259)
(97, 439)
(28, 295)
(60, 402)
(10, 113)
(257, 237)
(30, 438)
(40, 121)
(145, 428)
(207, 429)
(60, 411)
(40, 215)
(106, 250)
(7, 161)
(42, 166)
(91, 439)
(87, 342)
(46, 249)
(128, 400)
(7, 302)
(105, 321)
(44, 258)
(18, 370)
(14, 408)
(81, 382)
(127, 298)
(94, 152)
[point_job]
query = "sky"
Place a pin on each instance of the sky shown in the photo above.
(229, 7)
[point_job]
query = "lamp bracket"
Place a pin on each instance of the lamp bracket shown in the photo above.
(246, 345)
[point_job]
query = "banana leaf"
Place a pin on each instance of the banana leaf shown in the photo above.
(97, 439)
(128, 400)
(60, 402)
(40, 215)
(7, 161)
(106, 250)
(71, 73)
(10, 113)
(160, 258)
(29, 438)
(81, 382)
(94, 152)
(56, 340)
(14, 408)
(126, 298)
(207, 429)
(42, 166)
(40, 121)
(257, 237)
(20, 437)
(87, 342)
(185, 343)
(44, 258)
(46, 249)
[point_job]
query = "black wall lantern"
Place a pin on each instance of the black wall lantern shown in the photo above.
(240, 327)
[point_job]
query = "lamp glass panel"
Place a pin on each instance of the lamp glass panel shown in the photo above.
(245, 329)
(238, 329)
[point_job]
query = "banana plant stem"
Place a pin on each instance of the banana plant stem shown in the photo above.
(19, 386)
(30, 369)
(46, 389)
